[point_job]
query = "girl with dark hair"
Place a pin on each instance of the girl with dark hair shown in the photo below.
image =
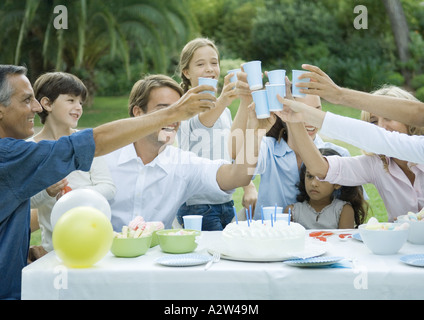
(322, 205)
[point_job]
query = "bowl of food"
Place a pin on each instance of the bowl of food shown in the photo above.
(416, 227)
(177, 240)
(384, 238)
(130, 247)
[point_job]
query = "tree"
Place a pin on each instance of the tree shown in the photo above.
(148, 30)
(401, 34)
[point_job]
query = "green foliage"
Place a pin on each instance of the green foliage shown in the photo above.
(420, 94)
(418, 81)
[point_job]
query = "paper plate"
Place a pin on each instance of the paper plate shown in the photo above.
(183, 260)
(416, 260)
(312, 262)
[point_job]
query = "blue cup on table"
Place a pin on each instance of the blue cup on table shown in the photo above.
(295, 90)
(270, 212)
(254, 74)
(234, 72)
(209, 82)
(261, 104)
(272, 90)
(193, 222)
(277, 76)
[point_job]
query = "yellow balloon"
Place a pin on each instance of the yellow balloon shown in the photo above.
(82, 236)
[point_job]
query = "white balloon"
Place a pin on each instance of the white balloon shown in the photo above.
(78, 198)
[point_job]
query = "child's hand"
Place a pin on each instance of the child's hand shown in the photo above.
(55, 189)
(242, 87)
(228, 93)
(259, 124)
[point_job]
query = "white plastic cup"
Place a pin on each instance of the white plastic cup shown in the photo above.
(261, 104)
(209, 82)
(272, 90)
(254, 74)
(277, 76)
(295, 90)
(193, 222)
(234, 72)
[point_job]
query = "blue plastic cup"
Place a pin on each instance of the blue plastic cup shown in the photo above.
(209, 82)
(254, 74)
(234, 72)
(193, 222)
(295, 90)
(272, 90)
(277, 76)
(261, 104)
(270, 211)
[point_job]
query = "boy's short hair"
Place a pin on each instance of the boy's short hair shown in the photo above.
(53, 84)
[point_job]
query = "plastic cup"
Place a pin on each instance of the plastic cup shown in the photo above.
(270, 211)
(193, 222)
(277, 76)
(295, 90)
(261, 104)
(272, 90)
(234, 72)
(209, 82)
(254, 74)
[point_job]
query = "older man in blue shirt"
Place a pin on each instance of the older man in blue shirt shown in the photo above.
(26, 168)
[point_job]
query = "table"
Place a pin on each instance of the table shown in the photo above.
(369, 276)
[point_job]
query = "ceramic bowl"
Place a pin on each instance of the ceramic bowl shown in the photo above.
(130, 247)
(416, 229)
(383, 242)
(177, 240)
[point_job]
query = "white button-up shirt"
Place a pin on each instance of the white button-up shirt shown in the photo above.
(156, 190)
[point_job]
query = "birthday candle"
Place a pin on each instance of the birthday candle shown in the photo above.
(275, 213)
(247, 218)
(262, 214)
(235, 214)
(289, 215)
(250, 212)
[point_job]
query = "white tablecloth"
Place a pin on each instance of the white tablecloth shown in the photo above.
(368, 277)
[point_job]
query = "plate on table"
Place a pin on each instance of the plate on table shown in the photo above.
(183, 260)
(310, 251)
(416, 260)
(313, 262)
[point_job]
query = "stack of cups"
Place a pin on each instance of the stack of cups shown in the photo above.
(295, 90)
(276, 86)
(254, 78)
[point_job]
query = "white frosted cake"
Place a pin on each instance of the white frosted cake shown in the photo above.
(263, 241)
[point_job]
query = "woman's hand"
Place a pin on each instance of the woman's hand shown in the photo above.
(321, 85)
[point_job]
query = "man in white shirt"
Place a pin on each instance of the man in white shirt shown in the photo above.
(153, 178)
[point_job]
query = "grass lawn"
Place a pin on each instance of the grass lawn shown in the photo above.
(107, 109)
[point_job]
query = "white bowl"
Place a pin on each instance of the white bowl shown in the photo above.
(416, 229)
(383, 242)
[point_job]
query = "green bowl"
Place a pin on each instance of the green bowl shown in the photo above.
(130, 247)
(177, 243)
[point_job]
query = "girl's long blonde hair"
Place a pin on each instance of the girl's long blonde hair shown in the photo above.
(186, 56)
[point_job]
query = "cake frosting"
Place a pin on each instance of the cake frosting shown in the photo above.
(263, 240)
